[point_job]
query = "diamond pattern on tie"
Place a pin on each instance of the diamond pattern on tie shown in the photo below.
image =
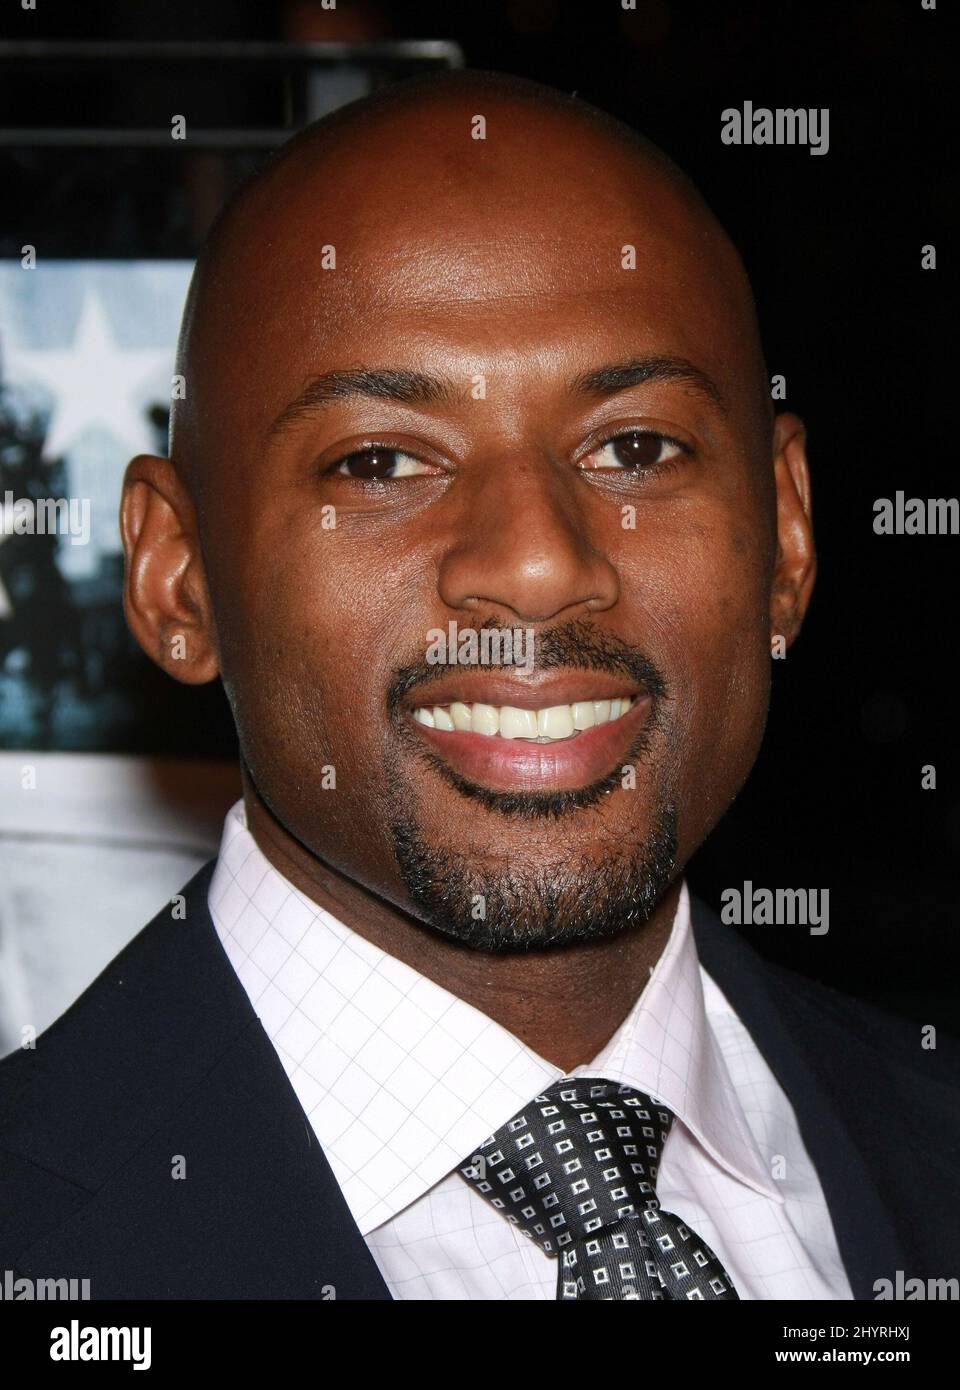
(576, 1171)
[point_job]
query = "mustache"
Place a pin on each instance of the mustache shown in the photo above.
(577, 645)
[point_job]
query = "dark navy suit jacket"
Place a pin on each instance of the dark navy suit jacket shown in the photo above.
(163, 1056)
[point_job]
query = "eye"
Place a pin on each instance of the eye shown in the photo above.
(636, 451)
(377, 461)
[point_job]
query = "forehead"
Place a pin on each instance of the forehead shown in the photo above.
(417, 246)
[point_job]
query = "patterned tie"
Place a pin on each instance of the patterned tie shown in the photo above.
(576, 1170)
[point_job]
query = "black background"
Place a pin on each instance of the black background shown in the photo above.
(833, 244)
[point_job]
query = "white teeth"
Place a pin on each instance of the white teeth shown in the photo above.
(517, 723)
(584, 716)
(555, 722)
(461, 715)
(543, 725)
(485, 719)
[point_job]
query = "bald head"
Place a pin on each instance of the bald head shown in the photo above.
(445, 191)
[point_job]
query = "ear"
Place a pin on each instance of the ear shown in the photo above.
(795, 568)
(165, 595)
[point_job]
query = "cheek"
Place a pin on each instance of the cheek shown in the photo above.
(703, 596)
(285, 637)
(732, 682)
(312, 638)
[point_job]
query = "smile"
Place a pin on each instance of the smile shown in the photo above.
(537, 745)
(550, 725)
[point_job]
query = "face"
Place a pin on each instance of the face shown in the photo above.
(489, 414)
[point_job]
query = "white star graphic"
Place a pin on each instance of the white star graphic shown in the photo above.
(94, 382)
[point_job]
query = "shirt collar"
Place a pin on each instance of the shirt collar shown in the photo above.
(667, 1048)
(402, 1081)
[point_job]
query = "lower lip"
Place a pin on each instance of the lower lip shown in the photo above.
(502, 764)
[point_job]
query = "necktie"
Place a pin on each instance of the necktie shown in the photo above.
(576, 1170)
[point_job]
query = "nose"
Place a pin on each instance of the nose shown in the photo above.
(523, 545)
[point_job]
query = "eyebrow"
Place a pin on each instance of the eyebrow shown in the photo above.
(377, 383)
(620, 376)
(416, 388)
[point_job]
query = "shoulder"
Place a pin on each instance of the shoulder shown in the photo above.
(846, 1039)
(152, 1019)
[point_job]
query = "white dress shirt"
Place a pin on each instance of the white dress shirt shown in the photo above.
(402, 1081)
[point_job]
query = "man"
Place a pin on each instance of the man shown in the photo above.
(470, 361)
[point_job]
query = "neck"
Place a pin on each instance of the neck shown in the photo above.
(565, 1003)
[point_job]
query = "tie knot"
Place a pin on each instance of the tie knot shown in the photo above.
(582, 1155)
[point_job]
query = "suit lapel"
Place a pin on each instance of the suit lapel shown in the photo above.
(808, 1050)
(203, 1176)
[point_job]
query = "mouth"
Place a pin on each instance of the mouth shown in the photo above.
(534, 743)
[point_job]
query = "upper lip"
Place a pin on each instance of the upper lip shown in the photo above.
(487, 688)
